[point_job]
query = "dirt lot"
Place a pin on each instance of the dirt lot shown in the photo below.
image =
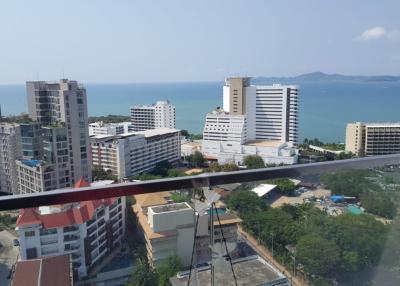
(299, 200)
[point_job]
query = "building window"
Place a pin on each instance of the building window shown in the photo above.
(29, 233)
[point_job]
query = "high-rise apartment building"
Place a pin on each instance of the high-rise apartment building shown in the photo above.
(260, 120)
(10, 150)
(367, 139)
(136, 152)
(271, 110)
(158, 115)
(87, 231)
(64, 104)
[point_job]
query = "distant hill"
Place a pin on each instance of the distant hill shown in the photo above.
(323, 77)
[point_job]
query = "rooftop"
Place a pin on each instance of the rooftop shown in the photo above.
(170, 208)
(32, 163)
(46, 271)
(263, 189)
(264, 143)
(261, 274)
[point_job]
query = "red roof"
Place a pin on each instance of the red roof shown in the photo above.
(75, 215)
(81, 184)
(47, 271)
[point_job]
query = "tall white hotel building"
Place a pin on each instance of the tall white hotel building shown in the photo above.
(158, 115)
(260, 120)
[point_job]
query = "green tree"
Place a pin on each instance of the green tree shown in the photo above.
(143, 274)
(109, 118)
(378, 203)
(161, 168)
(185, 133)
(244, 202)
(284, 185)
(229, 167)
(318, 255)
(172, 173)
(253, 162)
(146, 177)
(168, 268)
(214, 167)
(98, 173)
(196, 159)
(349, 182)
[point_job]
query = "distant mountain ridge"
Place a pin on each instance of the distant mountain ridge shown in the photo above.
(323, 77)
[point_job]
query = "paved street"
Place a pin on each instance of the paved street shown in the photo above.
(8, 255)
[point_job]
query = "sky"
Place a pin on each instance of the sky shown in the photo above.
(207, 40)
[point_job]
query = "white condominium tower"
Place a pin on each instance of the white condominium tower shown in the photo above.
(158, 115)
(271, 110)
(64, 104)
(259, 120)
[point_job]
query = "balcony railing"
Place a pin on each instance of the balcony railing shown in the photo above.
(12, 202)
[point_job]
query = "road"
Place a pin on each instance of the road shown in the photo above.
(266, 254)
(8, 255)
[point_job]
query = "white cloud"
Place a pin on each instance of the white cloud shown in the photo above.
(378, 32)
(374, 33)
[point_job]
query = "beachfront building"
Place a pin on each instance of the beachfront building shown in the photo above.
(158, 115)
(9, 151)
(168, 228)
(100, 128)
(136, 152)
(260, 120)
(368, 139)
(87, 231)
(64, 104)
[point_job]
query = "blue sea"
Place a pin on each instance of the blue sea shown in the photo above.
(325, 107)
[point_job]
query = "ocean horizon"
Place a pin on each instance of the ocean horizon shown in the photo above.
(325, 107)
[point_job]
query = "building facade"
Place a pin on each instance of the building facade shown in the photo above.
(158, 115)
(64, 103)
(168, 228)
(255, 120)
(271, 110)
(368, 139)
(10, 150)
(137, 152)
(87, 231)
(100, 128)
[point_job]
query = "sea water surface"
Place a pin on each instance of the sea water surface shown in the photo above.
(325, 107)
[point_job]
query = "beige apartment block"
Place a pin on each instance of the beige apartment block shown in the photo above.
(369, 139)
(168, 228)
(355, 138)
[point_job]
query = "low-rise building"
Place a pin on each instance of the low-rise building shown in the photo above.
(101, 128)
(368, 139)
(136, 152)
(87, 231)
(168, 228)
(225, 139)
(46, 271)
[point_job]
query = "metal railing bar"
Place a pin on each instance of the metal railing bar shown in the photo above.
(62, 196)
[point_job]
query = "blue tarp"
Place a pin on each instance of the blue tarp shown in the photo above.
(32, 163)
(337, 199)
